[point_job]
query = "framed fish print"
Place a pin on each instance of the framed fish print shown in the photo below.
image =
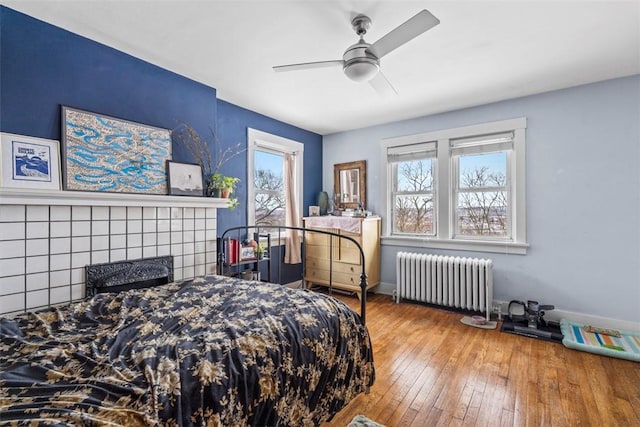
(29, 162)
(103, 153)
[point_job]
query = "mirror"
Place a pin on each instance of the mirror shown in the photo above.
(350, 184)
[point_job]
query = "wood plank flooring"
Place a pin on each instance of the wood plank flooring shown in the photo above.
(431, 370)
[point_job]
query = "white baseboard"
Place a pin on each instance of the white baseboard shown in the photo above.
(385, 288)
(555, 315)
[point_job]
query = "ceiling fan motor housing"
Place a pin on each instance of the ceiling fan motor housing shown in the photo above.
(360, 64)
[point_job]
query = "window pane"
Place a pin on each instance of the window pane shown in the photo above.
(269, 209)
(413, 214)
(415, 175)
(269, 188)
(483, 170)
(482, 213)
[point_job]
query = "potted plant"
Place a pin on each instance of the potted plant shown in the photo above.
(228, 185)
(261, 251)
(219, 185)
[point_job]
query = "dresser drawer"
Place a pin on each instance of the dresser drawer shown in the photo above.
(350, 255)
(348, 243)
(317, 251)
(322, 276)
(318, 239)
(324, 264)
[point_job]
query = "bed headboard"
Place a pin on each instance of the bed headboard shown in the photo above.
(130, 274)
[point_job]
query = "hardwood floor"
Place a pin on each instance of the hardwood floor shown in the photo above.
(433, 370)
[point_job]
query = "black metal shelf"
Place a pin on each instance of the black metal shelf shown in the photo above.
(235, 269)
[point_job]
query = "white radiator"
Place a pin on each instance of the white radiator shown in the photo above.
(465, 283)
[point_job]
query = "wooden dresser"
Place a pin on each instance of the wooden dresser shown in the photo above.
(320, 249)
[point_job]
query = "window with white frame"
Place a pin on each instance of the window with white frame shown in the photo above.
(268, 183)
(412, 188)
(268, 192)
(458, 189)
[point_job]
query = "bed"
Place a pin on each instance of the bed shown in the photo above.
(212, 350)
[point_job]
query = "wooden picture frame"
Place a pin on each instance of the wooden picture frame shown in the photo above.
(357, 174)
(29, 162)
(185, 179)
(108, 154)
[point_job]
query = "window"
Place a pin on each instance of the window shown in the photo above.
(268, 180)
(267, 191)
(458, 189)
(412, 197)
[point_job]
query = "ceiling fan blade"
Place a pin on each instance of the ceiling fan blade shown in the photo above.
(308, 65)
(412, 28)
(382, 85)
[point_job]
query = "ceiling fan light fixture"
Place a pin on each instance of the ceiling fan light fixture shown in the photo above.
(362, 70)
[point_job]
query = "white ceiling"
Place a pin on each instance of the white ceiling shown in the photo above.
(481, 52)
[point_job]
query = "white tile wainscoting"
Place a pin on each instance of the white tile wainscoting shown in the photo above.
(47, 239)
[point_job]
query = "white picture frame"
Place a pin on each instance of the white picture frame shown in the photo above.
(314, 210)
(29, 162)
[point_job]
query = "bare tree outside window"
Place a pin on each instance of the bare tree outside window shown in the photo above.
(482, 207)
(268, 183)
(270, 202)
(413, 198)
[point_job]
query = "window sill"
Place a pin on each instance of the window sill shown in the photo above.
(507, 248)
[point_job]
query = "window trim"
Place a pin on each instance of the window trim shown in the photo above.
(444, 238)
(260, 140)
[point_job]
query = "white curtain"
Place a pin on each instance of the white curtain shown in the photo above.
(292, 253)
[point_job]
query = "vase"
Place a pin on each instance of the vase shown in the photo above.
(323, 202)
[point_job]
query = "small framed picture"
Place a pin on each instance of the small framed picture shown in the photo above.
(314, 210)
(29, 162)
(184, 179)
(247, 252)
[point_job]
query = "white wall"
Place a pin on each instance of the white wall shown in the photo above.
(583, 195)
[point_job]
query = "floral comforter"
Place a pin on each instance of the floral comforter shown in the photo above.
(209, 351)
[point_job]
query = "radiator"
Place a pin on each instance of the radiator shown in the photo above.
(464, 283)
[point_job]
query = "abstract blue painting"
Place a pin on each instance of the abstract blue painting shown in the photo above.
(107, 154)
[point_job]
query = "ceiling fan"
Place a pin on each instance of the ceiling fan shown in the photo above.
(361, 61)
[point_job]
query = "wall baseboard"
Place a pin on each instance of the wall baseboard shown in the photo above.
(556, 315)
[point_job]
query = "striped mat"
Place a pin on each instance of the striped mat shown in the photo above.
(625, 347)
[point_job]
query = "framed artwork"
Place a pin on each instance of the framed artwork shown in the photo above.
(314, 210)
(29, 162)
(102, 153)
(185, 179)
(247, 253)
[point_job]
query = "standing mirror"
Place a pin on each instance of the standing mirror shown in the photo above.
(350, 184)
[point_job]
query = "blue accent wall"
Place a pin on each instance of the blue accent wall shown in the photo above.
(43, 67)
(233, 122)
